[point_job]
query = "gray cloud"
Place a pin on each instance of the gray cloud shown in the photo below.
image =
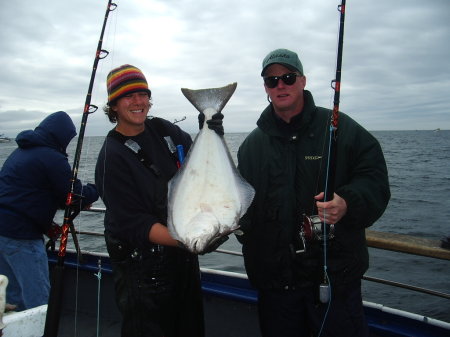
(396, 73)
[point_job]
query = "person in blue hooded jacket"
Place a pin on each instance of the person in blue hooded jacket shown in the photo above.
(34, 182)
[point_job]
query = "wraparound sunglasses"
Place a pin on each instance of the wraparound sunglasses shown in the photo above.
(288, 79)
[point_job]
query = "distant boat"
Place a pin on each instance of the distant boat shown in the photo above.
(437, 130)
(4, 139)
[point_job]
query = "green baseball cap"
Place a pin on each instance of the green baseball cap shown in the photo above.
(285, 57)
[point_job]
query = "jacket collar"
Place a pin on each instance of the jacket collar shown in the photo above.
(271, 124)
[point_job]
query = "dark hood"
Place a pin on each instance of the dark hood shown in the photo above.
(56, 131)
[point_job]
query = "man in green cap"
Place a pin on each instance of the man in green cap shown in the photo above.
(308, 276)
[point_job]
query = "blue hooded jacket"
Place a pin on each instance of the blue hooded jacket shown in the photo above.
(35, 179)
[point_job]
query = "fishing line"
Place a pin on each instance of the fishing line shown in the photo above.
(325, 132)
(325, 287)
(71, 210)
(111, 63)
(114, 34)
(104, 67)
(99, 278)
(83, 173)
(100, 94)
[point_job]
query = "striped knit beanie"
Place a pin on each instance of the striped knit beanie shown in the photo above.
(125, 80)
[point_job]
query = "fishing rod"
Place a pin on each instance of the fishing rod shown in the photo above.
(336, 86)
(328, 229)
(312, 227)
(72, 208)
(179, 120)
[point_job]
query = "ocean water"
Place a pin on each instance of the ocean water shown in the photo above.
(419, 173)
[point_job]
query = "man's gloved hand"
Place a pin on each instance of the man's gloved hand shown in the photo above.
(214, 244)
(201, 120)
(215, 123)
(53, 234)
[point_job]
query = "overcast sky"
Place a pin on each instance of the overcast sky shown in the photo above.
(396, 60)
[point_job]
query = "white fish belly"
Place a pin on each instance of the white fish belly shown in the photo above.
(207, 197)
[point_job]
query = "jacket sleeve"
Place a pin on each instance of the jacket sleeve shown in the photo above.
(364, 182)
(59, 175)
(88, 193)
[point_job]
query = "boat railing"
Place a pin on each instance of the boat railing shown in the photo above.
(375, 239)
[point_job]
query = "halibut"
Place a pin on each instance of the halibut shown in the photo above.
(207, 196)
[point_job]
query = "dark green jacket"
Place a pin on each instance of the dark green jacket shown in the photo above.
(286, 164)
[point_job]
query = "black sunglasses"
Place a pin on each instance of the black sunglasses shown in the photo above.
(288, 79)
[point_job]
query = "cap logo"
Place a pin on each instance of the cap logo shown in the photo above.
(279, 55)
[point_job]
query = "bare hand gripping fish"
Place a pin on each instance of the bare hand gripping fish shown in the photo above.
(207, 196)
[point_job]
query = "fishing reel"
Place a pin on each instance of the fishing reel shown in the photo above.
(311, 229)
(314, 229)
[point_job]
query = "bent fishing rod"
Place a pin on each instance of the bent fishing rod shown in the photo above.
(73, 201)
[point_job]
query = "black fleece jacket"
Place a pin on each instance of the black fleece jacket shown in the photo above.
(134, 195)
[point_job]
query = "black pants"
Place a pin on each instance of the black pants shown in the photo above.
(158, 291)
(298, 313)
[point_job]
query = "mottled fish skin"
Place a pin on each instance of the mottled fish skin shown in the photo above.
(207, 196)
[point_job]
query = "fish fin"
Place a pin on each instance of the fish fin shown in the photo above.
(214, 98)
